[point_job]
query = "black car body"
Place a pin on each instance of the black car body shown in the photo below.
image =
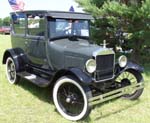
(54, 48)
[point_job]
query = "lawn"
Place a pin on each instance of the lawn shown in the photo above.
(27, 103)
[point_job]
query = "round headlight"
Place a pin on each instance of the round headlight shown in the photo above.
(122, 61)
(91, 65)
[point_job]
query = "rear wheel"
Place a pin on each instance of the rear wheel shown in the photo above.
(71, 99)
(11, 71)
(131, 77)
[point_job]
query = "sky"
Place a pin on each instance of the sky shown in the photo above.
(62, 5)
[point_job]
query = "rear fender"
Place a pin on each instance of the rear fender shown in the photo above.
(18, 56)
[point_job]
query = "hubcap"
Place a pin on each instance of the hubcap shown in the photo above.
(11, 71)
(70, 99)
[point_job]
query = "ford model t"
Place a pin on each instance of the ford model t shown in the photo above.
(54, 49)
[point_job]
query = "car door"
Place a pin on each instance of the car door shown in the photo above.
(18, 31)
(35, 39)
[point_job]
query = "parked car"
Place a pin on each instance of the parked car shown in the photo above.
(5, 30)
(54, 49)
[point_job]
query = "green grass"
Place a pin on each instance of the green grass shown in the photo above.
(27, 103)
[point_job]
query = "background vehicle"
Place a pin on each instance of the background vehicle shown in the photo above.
(54, 49)
(5, 30)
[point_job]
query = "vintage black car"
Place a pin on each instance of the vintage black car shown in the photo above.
(52, 48)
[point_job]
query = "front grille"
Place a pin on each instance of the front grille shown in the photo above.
(105, 67)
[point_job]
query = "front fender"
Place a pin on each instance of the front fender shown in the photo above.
(76, 72)
(82, 76)
(129, 66)
(134, 66)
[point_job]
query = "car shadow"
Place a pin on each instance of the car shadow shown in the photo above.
(115, 111)
(44, 94)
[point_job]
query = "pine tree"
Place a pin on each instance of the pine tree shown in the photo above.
(130, 16)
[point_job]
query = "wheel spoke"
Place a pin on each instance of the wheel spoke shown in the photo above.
(134, 82)
(65, 92)
(69, 89)
(13, 73)
(119, 78)
(127, 78)
(123, 75)
(71, 99)
(12, 67)
(128, 74)
(132, 79)
(81, 103)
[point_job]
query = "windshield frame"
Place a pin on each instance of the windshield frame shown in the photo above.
(70, 35)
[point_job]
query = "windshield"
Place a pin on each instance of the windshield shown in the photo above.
(65, 27)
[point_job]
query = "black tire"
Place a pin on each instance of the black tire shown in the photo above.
(129, 77)
(11, 73)
(71, 98)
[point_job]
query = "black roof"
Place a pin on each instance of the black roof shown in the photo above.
(59, 14)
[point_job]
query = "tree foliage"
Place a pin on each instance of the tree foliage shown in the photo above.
(1, 22)
(5, 21)
(130, 16)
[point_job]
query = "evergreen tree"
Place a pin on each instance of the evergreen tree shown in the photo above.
(130, 16)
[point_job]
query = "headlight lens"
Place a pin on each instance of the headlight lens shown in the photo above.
(122, 61)
(91, 65)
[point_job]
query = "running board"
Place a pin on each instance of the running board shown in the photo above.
(34, 79)
(114, 94)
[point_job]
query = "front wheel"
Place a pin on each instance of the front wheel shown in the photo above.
(11, 71)
(71, 99)
(131, 77)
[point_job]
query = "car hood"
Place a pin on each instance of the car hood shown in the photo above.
(80, 49)
(73, 53)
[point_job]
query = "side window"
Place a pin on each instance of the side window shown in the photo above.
(18, 23)
(36, 25)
